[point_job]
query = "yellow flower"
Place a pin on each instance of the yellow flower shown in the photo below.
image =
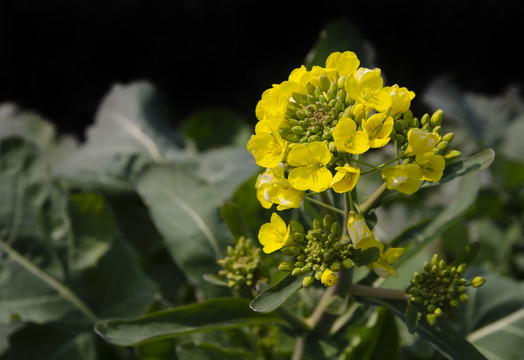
(274, 235)
(400, 99)
(272, 107)
(378, 128)
(365, 85)
(432, 166)
(328, 278)
(267, 148)
(345, 179)
(363, 238)
(348, 139)
(345, 63)
(403, 178)
(310, 172)
(420, 141)
(273, 188)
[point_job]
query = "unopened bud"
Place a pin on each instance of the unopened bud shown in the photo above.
(451, 154)
(463, 298)
(286, 266)
(431, 319)
(308, 280)
(442, 145)
(478, 281)
(424, 120)
(436, 118)
(448, 137)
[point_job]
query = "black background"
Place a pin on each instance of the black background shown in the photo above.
(60, 57)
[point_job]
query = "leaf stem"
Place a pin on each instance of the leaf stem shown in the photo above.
(370, 291)
(374, 197)
(332, 208)
(63, 290)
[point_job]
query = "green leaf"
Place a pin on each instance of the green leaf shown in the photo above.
(131, 129)
(235, 221)
(203, 351)
(186, 213)
(212, 128)
(48, 342)
(340, 35)
(213, 314)
(274, 296)
(365, 257)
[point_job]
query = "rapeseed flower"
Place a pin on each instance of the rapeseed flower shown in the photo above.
(328, 278)
(349, 139)
(420, 141)
(273, 188)
(378, 129)
(403, 178)
(345, 179)
(309, 162)
(268, 149)
(274, 235)
(432, 166)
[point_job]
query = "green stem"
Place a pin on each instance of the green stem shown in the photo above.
(297, 322)
(63, 290)
(366, 163)
(298, 351)
(318, 202)
(370, 291)
(374, 197)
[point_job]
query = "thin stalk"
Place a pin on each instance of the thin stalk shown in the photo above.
(63, 290)
(298, 351)
(374, 197)
(370, 291)
(374, 167)
(318, 202)
(294, 320)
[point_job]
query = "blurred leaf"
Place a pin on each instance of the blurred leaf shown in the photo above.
(204, 351)
(47, 342)
(186, 212)
(117, 286)
(216, 127)
(340, 35)
(234, 218)
(35, 129)
(131, 129)
(274, 296)
(213, 314)
(365, 257)
(5, 332)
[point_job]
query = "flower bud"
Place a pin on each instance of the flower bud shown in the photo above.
(308, 280)
(451, 154)
(448, 137)
(348, 263)
(436, 118)
(286, 266)
(464, 298)
(442, 145)
(478, 281)
(324, 82)
(424, 120)
(431, 319)
(297, 130)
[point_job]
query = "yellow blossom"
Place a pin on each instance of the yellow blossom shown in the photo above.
(378, 128)
(271, 109)
(345, 179)
(420, 141)
(400, 99)
(348, 139)
(365, 86)
(273, 188)
(345, 63)
(363, 238)
(432, 166)
(328, 278)
(403, 178)
(267, 148)
(310, 172)
(274, 235)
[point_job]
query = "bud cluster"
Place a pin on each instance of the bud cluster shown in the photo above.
(312, 117)
(243, 266)
(319, 250)
(427, 123)
(440, 289)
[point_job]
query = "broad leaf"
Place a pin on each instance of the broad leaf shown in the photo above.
(274, 296)
(213, 314)
(131, 129)
(234, 218)
(186, 213)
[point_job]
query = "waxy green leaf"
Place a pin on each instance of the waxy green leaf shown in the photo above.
(274, 296)
(213, 314)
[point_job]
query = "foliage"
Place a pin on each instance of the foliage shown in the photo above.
(125, 233)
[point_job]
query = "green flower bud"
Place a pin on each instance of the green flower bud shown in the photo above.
(308, 280)
(451, 154)
(431, 319)
(297, 130)
(316, 224)
(430, 308)
(400, 138)
(442, 264)
(424, 120)
(408, 116)
(296, 271)
(426, 127)
(335, 228)
(290, 250)
(318, 274)
(348, 263)
(335, 267)
(328, 221)
(454, 303)
(436, 118)
(418, 277)
(442, 145)
(438, 312)
(448, 137)
(400, 125)
(437, 129)
(298, 237)
(415, 122)
(461, 269)
(286, 266)
(464, 298)
(478, 281)
(324, 82)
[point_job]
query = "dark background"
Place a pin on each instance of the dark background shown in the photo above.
(59, 58)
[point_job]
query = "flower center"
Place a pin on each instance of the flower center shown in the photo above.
(312, 116)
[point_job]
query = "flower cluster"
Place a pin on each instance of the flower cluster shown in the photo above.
(440, 289)
(311, 131)
(243, 266)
